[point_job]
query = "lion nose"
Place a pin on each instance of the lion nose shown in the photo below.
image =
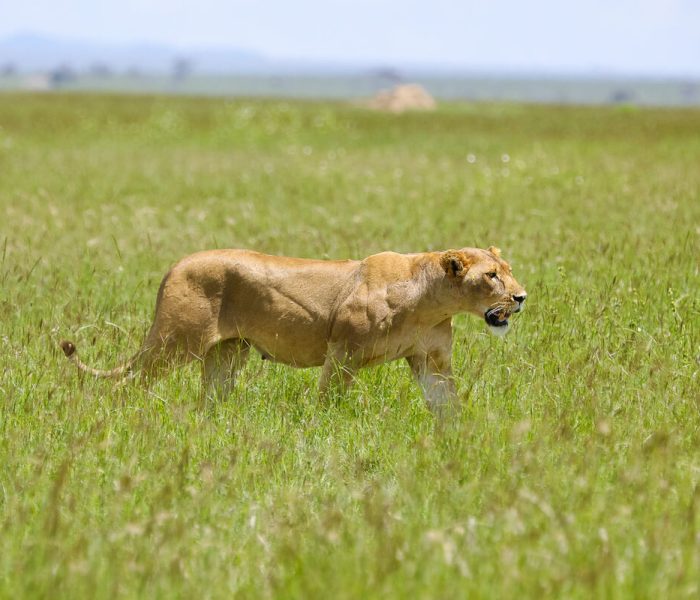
(520, 299)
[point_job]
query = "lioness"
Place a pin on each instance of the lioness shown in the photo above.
(339, 314)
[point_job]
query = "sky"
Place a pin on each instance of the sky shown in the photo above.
(636, 37)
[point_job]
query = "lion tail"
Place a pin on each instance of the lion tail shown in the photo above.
(69, 350)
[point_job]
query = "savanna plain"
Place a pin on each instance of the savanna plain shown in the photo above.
(573, 468)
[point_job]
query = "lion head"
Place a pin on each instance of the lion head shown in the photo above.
(484, 285)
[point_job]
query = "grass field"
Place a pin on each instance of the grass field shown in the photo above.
(573, 471)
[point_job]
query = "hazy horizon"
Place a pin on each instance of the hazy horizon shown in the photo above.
(657, 38)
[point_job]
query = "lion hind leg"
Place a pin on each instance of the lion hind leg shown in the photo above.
(338, 373)
(220, 365)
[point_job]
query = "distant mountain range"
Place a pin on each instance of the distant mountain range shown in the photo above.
(31, 52)
(41, 63)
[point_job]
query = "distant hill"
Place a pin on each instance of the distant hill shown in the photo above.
(32, 52)
(41, 63)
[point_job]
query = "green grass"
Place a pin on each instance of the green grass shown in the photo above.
(574, 469)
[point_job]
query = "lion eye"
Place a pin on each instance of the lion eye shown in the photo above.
(492, 274)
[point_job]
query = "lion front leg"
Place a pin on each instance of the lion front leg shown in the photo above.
(433, 372)
(432, 368)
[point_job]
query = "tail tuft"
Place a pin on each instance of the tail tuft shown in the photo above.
(68, 348)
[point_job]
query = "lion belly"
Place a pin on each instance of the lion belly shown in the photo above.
(281, 306)
(282, 331)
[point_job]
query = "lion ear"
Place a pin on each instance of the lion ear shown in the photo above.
(495, 251)
(454, 263)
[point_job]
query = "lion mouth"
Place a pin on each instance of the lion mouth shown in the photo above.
(496, 317)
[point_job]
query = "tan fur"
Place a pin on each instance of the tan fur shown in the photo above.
(341, 315)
